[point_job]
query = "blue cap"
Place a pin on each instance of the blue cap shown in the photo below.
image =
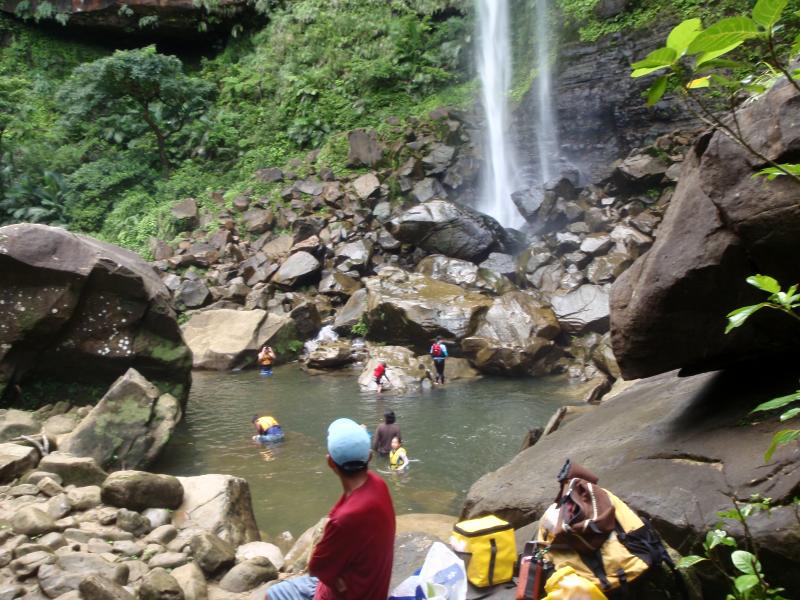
(348, 444)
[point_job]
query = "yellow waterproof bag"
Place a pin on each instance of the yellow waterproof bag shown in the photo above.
(489, 542)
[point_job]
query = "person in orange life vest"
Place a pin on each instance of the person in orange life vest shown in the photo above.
(439, 354)
(265, 359)
(353, 560)
(379, 374)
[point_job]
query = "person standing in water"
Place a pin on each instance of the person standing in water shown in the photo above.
(382, 440)
(379, 374)
(439, 354)
(265, 359)
(398, 458)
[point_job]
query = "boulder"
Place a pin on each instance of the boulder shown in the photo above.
(211, 553)
(225, 339)
(504, 264)
(249, 574)
(722, 225)
(330, 355)
(15, 460)
(219, 504)
(192, 294)
(442, 227)
(91, 311)
(192, 581)
(97, 587)
(139, 490)
(463, 273)
(73, 470)
(585, 309)
(160, 585)
(70, 569)
(366, 185)
(411, 309)
(300, 268)
(185, 214)
(351, 313)
(254, 549)
(403, 369)
(353, 256)
(128, 427)
(640, 171)
(365, 149)
(16, 423)
(28, 564)
(427, 189)
(674, 449)
(32, 522)
(269, 175)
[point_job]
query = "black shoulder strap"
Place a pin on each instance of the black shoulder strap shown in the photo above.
(594, 561)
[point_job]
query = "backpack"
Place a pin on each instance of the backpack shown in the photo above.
(596, 534)
(437, 350)
(490, 547)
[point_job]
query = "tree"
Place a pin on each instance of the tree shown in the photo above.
(133, 92)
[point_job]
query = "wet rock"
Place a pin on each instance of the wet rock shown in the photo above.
(353, 256)
(338, 284)
(15, 460)
(606, 269)
(443, 227)
(219, 504)
(404, 370)
(351, 313)
(249, 574)
(139, 490)
(186, 214)
(721, 226)
(596, 244)
(528, 203)
(129, 425)
(160, 585)
(438, 159)
(89, 306)
(585, 309)
(365, 149)
(192, 581)
(504, 264)
(73, 470)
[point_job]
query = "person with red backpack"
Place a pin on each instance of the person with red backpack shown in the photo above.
(439, 354)
(379, 374)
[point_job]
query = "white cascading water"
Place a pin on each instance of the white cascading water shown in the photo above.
(546, 128)
(494, 69)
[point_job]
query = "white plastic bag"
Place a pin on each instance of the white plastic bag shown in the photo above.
(443, 567)
(411, 588)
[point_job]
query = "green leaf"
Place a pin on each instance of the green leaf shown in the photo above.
(745, 562)
(656, 91)
(765, 282)
(711, 62)
(737, 317)
(689, 561)
(642, 72)
(682, 35)
(768, 12)
(790, 414)
(779, 439)
(745, 583)
(773, 172)
(657, 59)
(777, 402)
(723, 34)
(715, 537)
(700, 82)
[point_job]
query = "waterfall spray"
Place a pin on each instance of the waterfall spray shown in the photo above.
(546, 128)
(494, 69)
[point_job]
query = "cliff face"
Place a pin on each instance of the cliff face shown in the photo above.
(183, 19)
(601, 113)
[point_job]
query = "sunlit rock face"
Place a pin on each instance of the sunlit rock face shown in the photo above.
(184, 19)
(74, 310)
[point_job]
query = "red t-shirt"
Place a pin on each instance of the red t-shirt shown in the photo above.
(379, 371)
(357, 545)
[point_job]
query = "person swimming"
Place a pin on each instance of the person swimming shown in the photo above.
(267, 429)
(398, 458)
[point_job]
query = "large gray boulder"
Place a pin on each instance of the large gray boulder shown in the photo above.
(464, 273)
(128, 427)
(16, 423)
(73, 470)
(83, 311)
(673, 448)
(722, 225)
(15, 460)
(584, 309)
(300, 268)
(140, 490)
(219, 504)
(226, 339)
(70, 569)
(411, 309)
(443, 227)
(365, 149)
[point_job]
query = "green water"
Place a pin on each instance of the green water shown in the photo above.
(456, 433)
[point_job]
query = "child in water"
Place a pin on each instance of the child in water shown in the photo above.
(379, 374)
(398, 459)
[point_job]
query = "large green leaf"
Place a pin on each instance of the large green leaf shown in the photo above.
(773, 172)
(682, 35)
(689, 561)
(765, 282)
(723, 34)
(779, 439)
(777, 402)
(706, 57)
(663, 57)
(737, 317)
(790, 414)
(745, 562)
(745, 583)
(768, 12)
(656, 91)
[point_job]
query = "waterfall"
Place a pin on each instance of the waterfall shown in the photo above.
(546, 128)
(494, 69)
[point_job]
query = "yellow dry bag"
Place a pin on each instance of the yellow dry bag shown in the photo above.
(489, 542)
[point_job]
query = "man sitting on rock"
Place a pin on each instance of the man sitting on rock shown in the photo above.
(353, 560)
